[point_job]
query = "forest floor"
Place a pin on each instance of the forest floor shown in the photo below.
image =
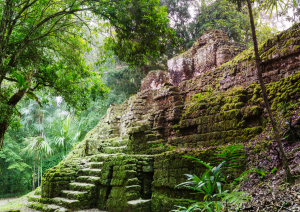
(21, 203)
(6, 200)
(15, 203)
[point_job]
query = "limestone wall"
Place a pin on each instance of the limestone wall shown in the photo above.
(132, 160)
(210, 51)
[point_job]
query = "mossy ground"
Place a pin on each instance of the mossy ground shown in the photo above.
(16, 204)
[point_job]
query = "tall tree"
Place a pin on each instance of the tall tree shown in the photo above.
(223, 15)
(40, 148)
(179, 12)
(43, 44)
(289, 177)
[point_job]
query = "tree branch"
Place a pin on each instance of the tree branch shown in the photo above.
(10, 79)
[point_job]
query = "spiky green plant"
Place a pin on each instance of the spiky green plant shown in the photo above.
(210, 184)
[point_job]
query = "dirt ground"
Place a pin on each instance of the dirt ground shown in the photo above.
(15, 203)
(6, 200)
(21, 202)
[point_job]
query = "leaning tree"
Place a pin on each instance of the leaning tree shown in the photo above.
(269, 4)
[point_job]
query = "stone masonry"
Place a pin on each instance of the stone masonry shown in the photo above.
(132, 160)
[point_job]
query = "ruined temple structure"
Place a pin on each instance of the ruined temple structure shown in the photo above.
(132, 160)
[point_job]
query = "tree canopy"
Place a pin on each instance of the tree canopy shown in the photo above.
(43, 44)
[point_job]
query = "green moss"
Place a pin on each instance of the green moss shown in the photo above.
(37, 206)
(252, 131)
(252, 111)
(227, 115)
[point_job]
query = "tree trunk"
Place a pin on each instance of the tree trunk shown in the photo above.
(33, 180)
(38, 172)
(7, 113)
(3, 129)
(41, 170)
(145, 69)
(289, 177)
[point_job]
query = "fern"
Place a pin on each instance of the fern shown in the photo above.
(232, 156)
(262, 174)
(236, 198)
(194, 207)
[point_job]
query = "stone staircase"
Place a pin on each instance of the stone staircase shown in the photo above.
(98, 173)
(81, 194)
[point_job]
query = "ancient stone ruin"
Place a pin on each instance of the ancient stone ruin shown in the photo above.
(132, 160)
(210, 51)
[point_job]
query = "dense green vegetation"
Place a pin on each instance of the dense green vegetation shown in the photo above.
(51, 96)
(43, 45)
(47, 134)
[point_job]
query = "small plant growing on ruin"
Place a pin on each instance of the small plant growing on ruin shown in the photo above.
(175, 126)
(231, 156)
(210, 184)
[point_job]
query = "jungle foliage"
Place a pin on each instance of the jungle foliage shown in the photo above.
(43, 44)
(212, 183)
(51, 94)
(47, 134)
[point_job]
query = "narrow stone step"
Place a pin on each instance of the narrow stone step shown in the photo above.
(34, 198)
(68, 203)
(140, 205)
(55, 208)
(76, 195)
(132, 195)
(133, 188)
(36, 206)
(82, 186)
(101, 157)
(88, 179)
(95, 165)
(113, 150)
(119, 143)
(91, 172)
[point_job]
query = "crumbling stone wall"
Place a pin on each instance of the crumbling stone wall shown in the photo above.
(132, 160)
(155, 80)
(210, 50)
(280, 59)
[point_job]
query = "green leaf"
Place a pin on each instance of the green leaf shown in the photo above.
(31, 95)
(20, 79)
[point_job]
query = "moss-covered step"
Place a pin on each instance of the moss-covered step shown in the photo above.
(55, 208)
(95, 165)
(34, 198)
(68, 203)
(91, 172)
(38, 191)
(88, 179)
(82, 186)
(139, 205)
(113, 150)
(36, 206)
(76, 195)
(133, 189)
(102, 157)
